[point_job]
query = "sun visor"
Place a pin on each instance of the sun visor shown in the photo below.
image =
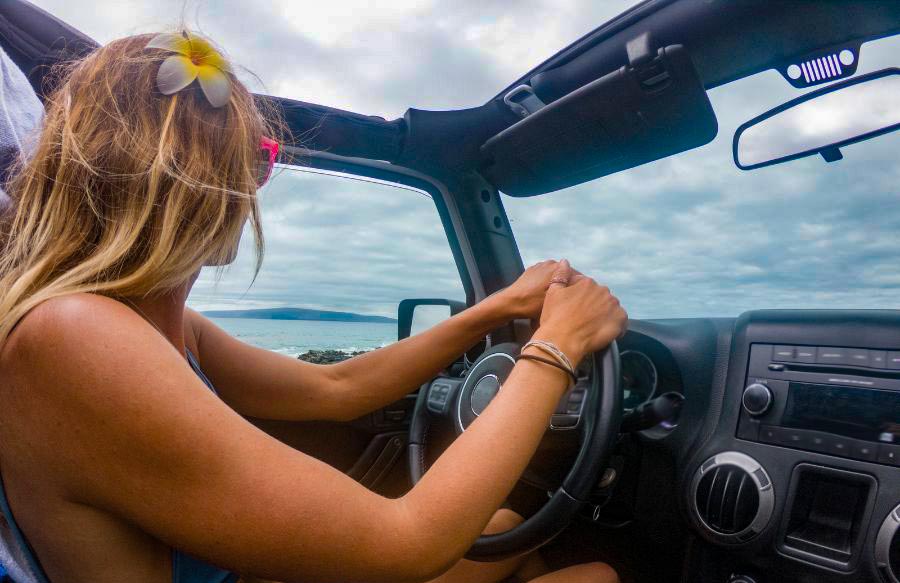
(654, 107)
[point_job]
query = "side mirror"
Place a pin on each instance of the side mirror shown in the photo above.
(414, 316)
(821, 122)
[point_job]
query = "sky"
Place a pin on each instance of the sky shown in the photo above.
(687, 236)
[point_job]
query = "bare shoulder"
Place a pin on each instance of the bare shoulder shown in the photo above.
(83, 341)
(71, 323)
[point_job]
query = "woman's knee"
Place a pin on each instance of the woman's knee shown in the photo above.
(594, 573)
(584, 573)
(503, 520)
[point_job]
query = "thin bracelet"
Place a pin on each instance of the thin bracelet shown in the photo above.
(555, 350)
(562, 362)
(552, 363)
(552, 350)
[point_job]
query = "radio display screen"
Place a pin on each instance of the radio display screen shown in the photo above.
(868, 414)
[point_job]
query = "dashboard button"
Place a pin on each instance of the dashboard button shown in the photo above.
(865, 451)
(805, 354)
(878, 358)
(793, 438)
(840, 446)
(829, 355)
(819, 442)
(783, 353)
(858, 356)
(893, 360)
(769, 434)
(889, 454)
(757, 399)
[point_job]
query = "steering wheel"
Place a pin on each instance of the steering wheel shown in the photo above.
(594, 407)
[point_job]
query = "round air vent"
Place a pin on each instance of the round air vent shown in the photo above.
(887, 547)
(732, 497)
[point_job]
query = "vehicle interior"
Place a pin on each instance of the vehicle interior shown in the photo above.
(757, 447)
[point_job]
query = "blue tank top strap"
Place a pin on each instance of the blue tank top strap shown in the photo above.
(24, 547)
(198, 371)
(185, 568)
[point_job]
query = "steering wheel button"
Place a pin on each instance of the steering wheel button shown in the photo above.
(560, 421)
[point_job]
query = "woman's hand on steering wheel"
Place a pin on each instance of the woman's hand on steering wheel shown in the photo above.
(579, 315)
(524, 298)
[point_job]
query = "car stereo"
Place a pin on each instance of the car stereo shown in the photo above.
(838, 401)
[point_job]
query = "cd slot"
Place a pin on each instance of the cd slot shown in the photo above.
(824, 369)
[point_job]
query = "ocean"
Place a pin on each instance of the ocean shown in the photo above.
(295, 337)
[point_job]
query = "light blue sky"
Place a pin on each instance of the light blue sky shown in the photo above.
(687, 236)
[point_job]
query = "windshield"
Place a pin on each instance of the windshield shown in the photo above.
(692, 235)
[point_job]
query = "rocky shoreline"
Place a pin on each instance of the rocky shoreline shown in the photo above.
(328, 356)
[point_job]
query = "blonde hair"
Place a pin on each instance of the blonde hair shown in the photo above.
(129, 192)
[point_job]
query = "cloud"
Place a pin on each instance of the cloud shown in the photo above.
(686, 236)
(336, 243)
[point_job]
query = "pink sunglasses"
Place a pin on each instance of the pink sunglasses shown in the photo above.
(269, 153)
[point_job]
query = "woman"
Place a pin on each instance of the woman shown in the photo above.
(120, 464)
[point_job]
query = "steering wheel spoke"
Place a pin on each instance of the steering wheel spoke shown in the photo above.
(441, 395)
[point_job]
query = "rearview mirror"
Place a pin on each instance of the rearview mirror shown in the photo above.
(414, 316)
(821, 122)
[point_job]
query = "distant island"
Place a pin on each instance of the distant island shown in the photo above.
(298, 314)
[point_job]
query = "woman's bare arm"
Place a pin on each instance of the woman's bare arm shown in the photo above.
(128, 428)
(260, 383)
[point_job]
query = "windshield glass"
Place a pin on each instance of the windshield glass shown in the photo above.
(692, 235)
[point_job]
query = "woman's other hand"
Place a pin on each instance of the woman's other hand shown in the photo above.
(579, 315)
(525, 297)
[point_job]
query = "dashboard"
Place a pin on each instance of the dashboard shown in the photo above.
(785, 462)
(639, 379)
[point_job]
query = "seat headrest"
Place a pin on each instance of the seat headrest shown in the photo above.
(21, 113)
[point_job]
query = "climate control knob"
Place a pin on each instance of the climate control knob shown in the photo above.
(757, 399)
